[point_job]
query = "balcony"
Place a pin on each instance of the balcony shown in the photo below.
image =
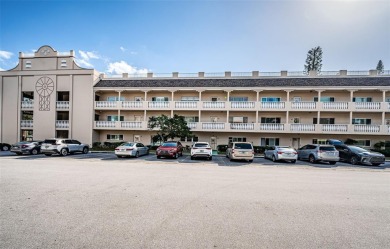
(273, 105)
(242, 105)
(131, 124)
(213, 126)
(26, 124)
(192, 125)
(62, 105)
(367, 105)
(186, 104)
(62, 124)
(366, 128)
(214, 104)
(272, 127)
(132, 104)
(27, 105)
(158, 104)
(335, 105)
(303, 105)
(302, 127)
(105, 124)
(121, 125)
(334, 128)
(106, 104)
(242, 126)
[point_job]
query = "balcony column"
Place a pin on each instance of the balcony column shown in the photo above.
(384, 95)
(172, 98)
(351, 94)
(119, 102)
(146, 95)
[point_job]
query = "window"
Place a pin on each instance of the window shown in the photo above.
(214, 99)
(115, 98)
(324, 120)
(265, 141)
(238, 119)
(189, 139)
(159, 99)
(362, 99)
(239, 99)
(388, 99)
(363, 143)
(270, 99)
(324, 99)
(265, 120)
(297, 99)
(191, 119)
(115, 118)
(63, 63)
(189, 98)
(28, 64)
(319, 141)
(114, 137)
(361, 121)
(237, 139)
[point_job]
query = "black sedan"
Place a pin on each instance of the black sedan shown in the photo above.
(357, 155)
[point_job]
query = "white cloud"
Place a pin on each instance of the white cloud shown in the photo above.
(5, 54)
(1, 69)
(122, 67)
(83, 62)
(122, 48)
(86, 56)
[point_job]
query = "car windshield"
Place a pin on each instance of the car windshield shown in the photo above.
(169, 144)
(327, 148)
(50, 141)
(243, 146)
(23, 142)
(128, 144)
(201, 145)
(358, 149)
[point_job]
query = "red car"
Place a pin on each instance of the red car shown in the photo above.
(170, 149)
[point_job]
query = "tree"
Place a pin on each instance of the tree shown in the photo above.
(314, 60)
(169, 127)
(380, 67)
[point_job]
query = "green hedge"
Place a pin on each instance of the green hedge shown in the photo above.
(385, 152)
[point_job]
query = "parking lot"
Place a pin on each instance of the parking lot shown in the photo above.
(97, 200)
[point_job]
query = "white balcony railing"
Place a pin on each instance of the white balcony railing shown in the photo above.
(186, 104)
(62, 124)
(303, 105)
(242, 105)
(192, 125)
(63, 105)
(106, 104)
(26, 124)
(272, 105)
(28, 104)
(271, 127)
(132, 104)
(388, 129)
(302, 127)
(335, 105)
(368, 105)
(213, 126)
(158, 104)
(131, 124)
(214, 104)
(335, 127)
(388, 105)
(105, 124)
(367, 128)
(242, 126)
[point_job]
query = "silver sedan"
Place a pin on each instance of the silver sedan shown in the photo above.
(131, 149)
(278, 153)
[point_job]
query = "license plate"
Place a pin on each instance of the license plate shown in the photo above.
(46, 147)
(122, 149)
(201, 150)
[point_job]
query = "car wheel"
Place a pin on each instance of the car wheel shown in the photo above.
(18, 153)
(250, 161)
(118, 156)
(192, 158)
(137, 154)
(5, 148)
(210, 158)
(34, 152)
(354, 160)
(375, 164)
(273, 159)
(158, 157)
(64, 152)
(293, 161)
(332, 163)
(47, 154)
(312, 159)
(85, 150)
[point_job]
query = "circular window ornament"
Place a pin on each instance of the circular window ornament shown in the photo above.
(44, 87)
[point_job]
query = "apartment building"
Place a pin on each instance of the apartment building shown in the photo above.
(282, 108)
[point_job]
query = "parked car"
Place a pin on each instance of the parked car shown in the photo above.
(281, 153)
(334, 142)
(202, 150)
(129, 149)
(319, 153)
(355, 155)
(170, 149)
(240, 150)
(5, 146)
(63, 147)
(27, 147)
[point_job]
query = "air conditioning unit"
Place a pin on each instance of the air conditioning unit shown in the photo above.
(137, 138)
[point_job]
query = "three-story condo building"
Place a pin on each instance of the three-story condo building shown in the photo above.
(48, 95)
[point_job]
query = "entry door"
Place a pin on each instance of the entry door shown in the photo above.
(213, 143)
(296, 143)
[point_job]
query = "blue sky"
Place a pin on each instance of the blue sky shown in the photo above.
(193, 36)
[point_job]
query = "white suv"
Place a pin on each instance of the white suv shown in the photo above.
(63, 147)
(201, 149)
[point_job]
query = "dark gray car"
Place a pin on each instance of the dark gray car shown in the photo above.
(356, 155)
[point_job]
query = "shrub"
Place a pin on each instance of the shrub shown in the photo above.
(384, 152)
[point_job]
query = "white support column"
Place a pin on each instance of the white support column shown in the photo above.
(146, 95)
(351, 95)
(319, 95)
(384, 95)
(145, 115)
